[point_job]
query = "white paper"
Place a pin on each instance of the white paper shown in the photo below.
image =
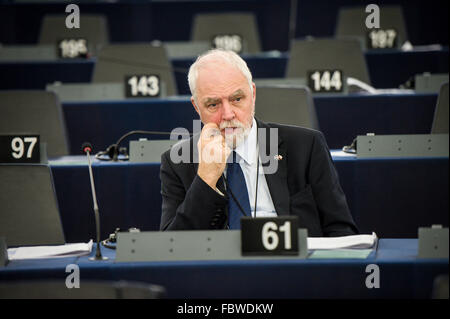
(335, 153)
(37, 252)
(354, 241)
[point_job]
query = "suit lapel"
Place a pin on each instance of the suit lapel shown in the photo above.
(277, 182)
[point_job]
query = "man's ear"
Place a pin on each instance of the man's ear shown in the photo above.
(254, 93)
(195, 106)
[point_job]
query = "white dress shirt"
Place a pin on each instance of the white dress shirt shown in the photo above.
(247, 153)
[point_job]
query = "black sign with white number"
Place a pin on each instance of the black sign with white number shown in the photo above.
(326, 81)
(233, 42)
(382, 39)
(269, 236)
(73, 48)
(142, 86)
(19, 149)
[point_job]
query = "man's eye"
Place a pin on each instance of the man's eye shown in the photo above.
(212, 105)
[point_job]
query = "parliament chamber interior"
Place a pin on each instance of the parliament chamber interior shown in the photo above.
(372, 78)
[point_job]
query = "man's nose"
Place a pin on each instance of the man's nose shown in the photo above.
(228, 113)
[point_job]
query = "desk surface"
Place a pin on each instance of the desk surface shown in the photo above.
(402, 274)
(384, 195)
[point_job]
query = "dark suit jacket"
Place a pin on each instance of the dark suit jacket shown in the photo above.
(305, 184)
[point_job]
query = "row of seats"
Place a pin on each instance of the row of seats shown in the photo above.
(44, 116)
(238, 31)
(116, 61)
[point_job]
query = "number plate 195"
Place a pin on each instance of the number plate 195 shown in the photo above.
(269, 236)
(19, 149)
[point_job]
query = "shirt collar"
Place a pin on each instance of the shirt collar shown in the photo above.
(247, 150)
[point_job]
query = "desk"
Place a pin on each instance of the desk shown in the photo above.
(341, 118)
(392, 197)
(386, 69)
(402, 274)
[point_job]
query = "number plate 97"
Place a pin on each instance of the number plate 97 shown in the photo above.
(19, 149)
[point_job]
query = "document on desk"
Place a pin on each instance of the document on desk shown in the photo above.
(344, 242)
(38, 252)
(355, 246)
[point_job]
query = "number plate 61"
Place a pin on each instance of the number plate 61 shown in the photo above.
(269, 236)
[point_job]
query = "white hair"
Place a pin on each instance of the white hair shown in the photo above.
(227, 56)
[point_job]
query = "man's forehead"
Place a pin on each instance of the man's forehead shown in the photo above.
(213, 97)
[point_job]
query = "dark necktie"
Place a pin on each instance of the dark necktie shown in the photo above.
(236, 182)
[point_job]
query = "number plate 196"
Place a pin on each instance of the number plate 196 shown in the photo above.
(269, 236)
(19, 149)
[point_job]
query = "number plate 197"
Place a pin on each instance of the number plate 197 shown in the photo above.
(19, 149)
(269, 236)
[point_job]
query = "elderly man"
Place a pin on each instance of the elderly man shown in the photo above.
(230, 179)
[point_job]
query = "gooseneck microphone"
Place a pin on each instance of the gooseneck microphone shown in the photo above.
(87, 148)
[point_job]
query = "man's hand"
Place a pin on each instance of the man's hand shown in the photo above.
(213, 153)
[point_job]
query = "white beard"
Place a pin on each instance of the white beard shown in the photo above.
(237, 137)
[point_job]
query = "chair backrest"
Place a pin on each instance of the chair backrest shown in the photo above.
(186, 49)
(36, 112)
(440, 120)
(89, 289)
(260, 82)
(78, 92)
(93, 28)
(429, 83)
(352, 22)
(334, 54)
(15, 53)
(291, 105)
(440, 287)
(29, 213)
(233, 30)
(117, 61)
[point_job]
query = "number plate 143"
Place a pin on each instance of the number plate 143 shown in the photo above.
(269, 236)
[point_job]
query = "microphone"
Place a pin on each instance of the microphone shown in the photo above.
(113, 151)
(87, 148)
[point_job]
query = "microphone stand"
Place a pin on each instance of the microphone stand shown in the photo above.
(98, 254)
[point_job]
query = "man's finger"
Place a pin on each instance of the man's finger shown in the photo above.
(210, 130)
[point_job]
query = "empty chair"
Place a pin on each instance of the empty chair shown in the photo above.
(77, 92)
(440, 120)
(56, 289)
(234, 31)
(186, 49)
(440, 287)
(93, 28)
(280, 81)
(429, 83)
(327, 54)
(16, 53)
(37, 112)
(116, 62)
(29, 213)
(352, 22)
(291, 105)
